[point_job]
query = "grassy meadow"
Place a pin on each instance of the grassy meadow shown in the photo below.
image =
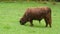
(10, 14)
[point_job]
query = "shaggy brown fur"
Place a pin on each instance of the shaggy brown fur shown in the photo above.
(37, 14)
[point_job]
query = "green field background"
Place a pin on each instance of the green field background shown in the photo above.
(10, 14)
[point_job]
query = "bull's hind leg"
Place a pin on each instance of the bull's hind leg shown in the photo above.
(48, 20)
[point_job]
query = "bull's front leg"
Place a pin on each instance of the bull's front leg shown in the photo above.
(31, 22)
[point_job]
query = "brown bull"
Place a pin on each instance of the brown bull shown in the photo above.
(37, 14)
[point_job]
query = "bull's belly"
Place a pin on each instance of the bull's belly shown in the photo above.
(37, 18)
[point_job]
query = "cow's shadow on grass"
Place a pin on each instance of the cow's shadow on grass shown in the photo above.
(36, 26)
(39, 26)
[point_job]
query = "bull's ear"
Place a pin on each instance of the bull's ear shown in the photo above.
(28, 16)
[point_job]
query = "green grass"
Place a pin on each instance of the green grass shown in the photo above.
(10, 14)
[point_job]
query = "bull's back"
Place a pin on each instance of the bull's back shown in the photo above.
(38, 13)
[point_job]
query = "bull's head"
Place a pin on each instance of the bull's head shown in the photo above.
(23, 21)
